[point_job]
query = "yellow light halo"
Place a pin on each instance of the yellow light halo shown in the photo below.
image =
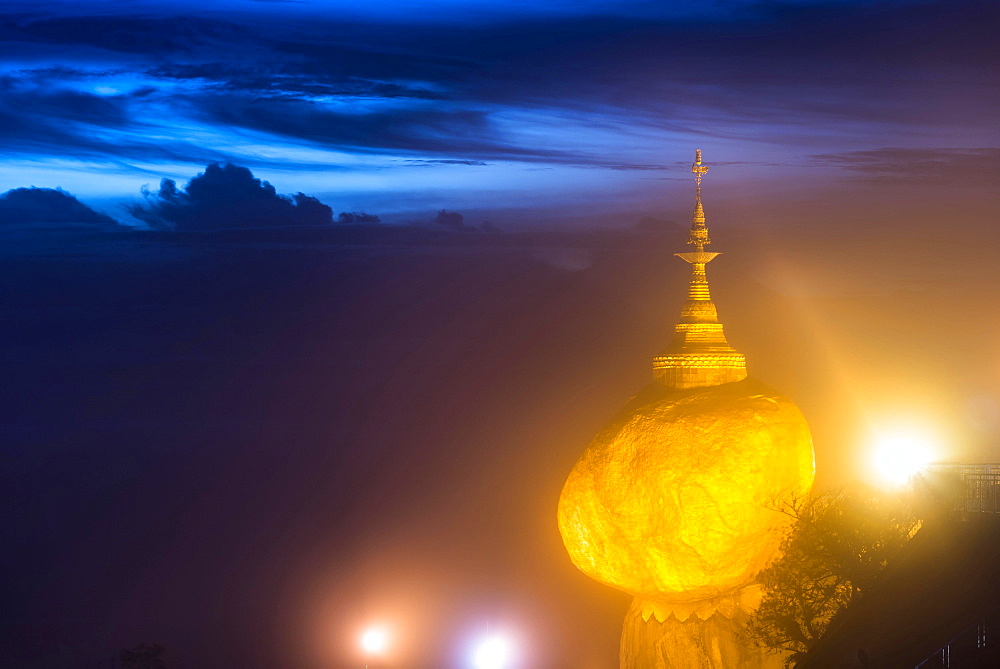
(899, 454)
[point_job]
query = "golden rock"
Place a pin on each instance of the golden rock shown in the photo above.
(674, 499)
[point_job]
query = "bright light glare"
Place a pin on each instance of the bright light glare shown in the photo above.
(493, 652)
(898, 457)
(375, 640)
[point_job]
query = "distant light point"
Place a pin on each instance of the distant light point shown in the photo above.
(375, 640)
(493, 652)
(899, 456)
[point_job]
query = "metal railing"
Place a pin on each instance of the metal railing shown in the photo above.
(980, 485)
(982, 493)
(973, 647)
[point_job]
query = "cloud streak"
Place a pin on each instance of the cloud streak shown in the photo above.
(921, 167)
(602, 86)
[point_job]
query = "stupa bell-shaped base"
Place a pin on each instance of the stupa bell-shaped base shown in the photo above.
(713, 643)
(693, 371)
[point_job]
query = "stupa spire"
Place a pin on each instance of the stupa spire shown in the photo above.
(699, 231)
(698, 354)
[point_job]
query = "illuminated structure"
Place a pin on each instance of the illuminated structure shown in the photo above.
(673, 500)
(699, 354)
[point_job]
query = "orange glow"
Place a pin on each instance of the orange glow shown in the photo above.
(899, 455)
(375, 640)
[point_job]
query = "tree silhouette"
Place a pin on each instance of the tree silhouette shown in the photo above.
(838, 546)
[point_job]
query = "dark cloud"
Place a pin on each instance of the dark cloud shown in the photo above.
(47, 205)
(437, 129)
(751, 72)
(367, 51)
(42, 104)
(924, 167)
(767, 59)
(226, 197)
(127, 34)
(40, 115)
(357, 217)
(290, 81)
(450, 219)
(775, 80)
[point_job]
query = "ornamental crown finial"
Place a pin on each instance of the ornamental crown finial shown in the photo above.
(699, 232)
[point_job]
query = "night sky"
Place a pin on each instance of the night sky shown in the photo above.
(243, 421)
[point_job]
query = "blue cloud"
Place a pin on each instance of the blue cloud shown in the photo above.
(227, 197)
(609, 86)
(47, 205)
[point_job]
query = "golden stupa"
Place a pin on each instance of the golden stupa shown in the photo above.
(673, 501)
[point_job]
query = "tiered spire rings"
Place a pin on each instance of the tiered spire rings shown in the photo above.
(698, 354)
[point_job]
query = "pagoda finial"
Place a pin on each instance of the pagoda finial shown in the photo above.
(699, 231)
(698, 355)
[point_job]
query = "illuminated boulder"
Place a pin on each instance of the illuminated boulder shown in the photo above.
(674, 499)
